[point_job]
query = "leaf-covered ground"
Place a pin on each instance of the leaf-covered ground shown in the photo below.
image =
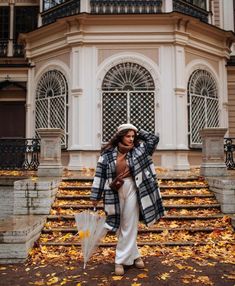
(207, 265)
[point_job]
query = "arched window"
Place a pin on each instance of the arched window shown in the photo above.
(128, 95)
(203, 104)
(51, 102)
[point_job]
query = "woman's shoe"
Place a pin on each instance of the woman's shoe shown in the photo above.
(119, 269)
(139, 263)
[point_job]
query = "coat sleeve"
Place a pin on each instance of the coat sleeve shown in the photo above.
(99, 180)
(150, 141)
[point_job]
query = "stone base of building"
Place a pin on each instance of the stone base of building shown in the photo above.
(213, 170)
(169, 159)
(18, 234)
(52, 171)
(34, 196)
(224, 189)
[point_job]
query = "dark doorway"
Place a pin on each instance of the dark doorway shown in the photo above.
(12, 119)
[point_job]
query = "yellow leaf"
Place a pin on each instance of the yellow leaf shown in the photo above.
(136, 284)
(84, 234)
(53, 280)
(117, 277)
(78, 284)
(142, 275)
(165, 276)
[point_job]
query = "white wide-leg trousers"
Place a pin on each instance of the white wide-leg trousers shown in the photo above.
(127, 251)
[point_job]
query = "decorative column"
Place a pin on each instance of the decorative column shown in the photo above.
(213, 164)
(50, 152)
(168, 6)
(74, 114)
(10, 42)
(181, 111)
(29, 103)
(85, 6)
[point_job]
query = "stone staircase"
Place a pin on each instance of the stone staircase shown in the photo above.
(193, 215)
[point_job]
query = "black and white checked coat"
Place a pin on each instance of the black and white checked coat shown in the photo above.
(143, 172)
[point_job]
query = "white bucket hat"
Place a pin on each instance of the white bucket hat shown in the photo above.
(126, 126)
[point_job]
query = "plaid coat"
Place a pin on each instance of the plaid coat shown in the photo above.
(144, 175)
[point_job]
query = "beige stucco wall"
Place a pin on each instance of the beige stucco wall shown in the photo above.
(41, 62)
(108, 51)
(191, 55)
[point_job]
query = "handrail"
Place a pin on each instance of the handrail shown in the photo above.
(229, 148)
(19, 153)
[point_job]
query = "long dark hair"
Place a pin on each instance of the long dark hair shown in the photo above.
(113, 142)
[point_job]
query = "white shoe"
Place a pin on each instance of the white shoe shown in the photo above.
(139, 263)
(119, 269)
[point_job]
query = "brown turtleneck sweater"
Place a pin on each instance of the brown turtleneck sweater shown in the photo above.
(121, 165)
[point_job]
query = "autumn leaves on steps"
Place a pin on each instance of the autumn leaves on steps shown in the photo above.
(193, 215)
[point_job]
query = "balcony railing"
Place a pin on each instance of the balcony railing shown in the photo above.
(10, 48)
(62, 8)
(190, 9)
(68, 8)
(19, 153)
(126, 6)
(3, 48)
(18, 50)
(229, 148)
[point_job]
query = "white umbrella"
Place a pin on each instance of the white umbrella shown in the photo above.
(91, 230)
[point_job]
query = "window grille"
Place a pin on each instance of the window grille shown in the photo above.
(128, 96)
(51, 102)
(128, 76)
(25, 19)
(203, 104)
(4, 22)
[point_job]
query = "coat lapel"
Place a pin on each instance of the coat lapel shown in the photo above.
(113, 162)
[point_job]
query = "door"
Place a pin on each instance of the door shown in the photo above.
(12, 118)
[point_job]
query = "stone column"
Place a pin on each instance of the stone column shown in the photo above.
(213, 163)
(50, 153)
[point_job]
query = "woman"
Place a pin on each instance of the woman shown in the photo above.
(126, 157)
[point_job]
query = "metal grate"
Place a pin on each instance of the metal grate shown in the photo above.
(126, 6)
(121, 107)
(203, 104)
(51, 102)
(142, 111)
(128, 96)
(114, 112)
(128, 76)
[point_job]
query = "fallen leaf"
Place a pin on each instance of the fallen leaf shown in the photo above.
(117, 277)
(52, 280)
(142, 275)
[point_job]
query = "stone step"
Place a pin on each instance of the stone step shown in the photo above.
(166, 217)
(159, 176)
(167, 207)
(183, 187)
(75, 197)
(148, 238)
(187, 221)
(110, 244)
(152, 230)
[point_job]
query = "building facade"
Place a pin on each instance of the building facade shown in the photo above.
(165, 66)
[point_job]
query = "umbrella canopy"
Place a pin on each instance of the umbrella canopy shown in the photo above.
(91, 230)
